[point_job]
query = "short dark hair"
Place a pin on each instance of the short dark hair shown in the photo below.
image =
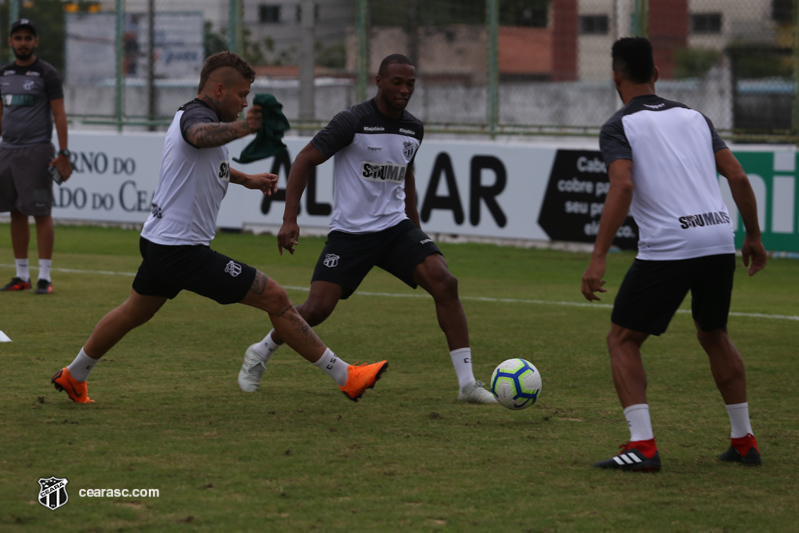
(398, 59)
(225, 59)
(632, 59)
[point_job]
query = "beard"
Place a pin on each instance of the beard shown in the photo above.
(23, 57)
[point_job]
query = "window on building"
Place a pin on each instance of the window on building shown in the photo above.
(705, 22)
(298, 13)
(269, 13)
(594, 24)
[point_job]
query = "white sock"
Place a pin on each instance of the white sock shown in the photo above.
(739, 420)
(266, 347)
(638, 420)
(44, 268)
(462, 361)
(22, 269)
(81, 366)
(333, 367)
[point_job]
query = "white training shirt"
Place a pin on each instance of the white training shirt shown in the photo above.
(676, 201)
(191, 185)
(372, 155)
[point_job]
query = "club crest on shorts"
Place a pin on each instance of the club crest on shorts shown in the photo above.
(233, 268)
(331, 260)
(53, 492)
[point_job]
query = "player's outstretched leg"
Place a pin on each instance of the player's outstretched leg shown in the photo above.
(133, 312)
(290, 326)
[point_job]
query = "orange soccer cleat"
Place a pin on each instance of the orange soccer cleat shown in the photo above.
(362, 377)
(76, 390)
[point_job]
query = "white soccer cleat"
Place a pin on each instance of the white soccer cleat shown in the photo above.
(251, 371)
(475, 393)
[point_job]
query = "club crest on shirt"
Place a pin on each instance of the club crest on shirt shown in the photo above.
(408, 149)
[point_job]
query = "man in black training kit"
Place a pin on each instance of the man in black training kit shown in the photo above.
(662, 160)
(31, 101)
(375, 221)
(175, 240)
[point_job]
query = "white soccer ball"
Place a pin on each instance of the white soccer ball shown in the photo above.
(516, 384)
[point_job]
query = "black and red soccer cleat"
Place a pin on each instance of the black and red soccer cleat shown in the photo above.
(44, 287)
(743, 450)
(16, 284)
(635, 456)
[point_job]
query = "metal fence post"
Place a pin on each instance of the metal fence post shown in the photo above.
(492, 19)
(235, 28)
(307, 61)
(13, 14)
(640, 18)
(120, 54)
(362, 62)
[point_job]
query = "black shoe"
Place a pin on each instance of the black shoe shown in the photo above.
(44, 287)
(752, 457)
(630, 459)
(16, 284)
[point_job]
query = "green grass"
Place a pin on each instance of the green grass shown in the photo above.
(297, 456)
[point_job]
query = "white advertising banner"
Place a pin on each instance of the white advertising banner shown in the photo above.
(468, 189)
(464, 188)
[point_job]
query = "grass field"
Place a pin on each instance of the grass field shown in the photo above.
(298, 456)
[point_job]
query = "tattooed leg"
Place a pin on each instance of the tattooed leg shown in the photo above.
(289, 325)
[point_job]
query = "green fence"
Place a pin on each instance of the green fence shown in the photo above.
(485, 67)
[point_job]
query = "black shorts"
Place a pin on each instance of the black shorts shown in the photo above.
(167, 270)
(652, 291)
(348, 257)
(25, 184)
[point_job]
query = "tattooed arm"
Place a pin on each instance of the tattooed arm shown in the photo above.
(208, 135)
(216, 134)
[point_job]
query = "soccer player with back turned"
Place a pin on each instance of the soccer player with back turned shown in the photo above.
(175, 240)
(662, 160)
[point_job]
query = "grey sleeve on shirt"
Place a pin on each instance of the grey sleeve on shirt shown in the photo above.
(718, 142)
(336, 135)
(613, 142)
(194, 115)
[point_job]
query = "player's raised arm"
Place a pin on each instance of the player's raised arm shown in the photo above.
(208, 135)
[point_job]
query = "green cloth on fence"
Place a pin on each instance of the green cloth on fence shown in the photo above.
(268, 140)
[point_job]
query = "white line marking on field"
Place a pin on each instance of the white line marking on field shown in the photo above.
(425, 295)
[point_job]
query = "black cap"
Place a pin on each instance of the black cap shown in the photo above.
(23, 23)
